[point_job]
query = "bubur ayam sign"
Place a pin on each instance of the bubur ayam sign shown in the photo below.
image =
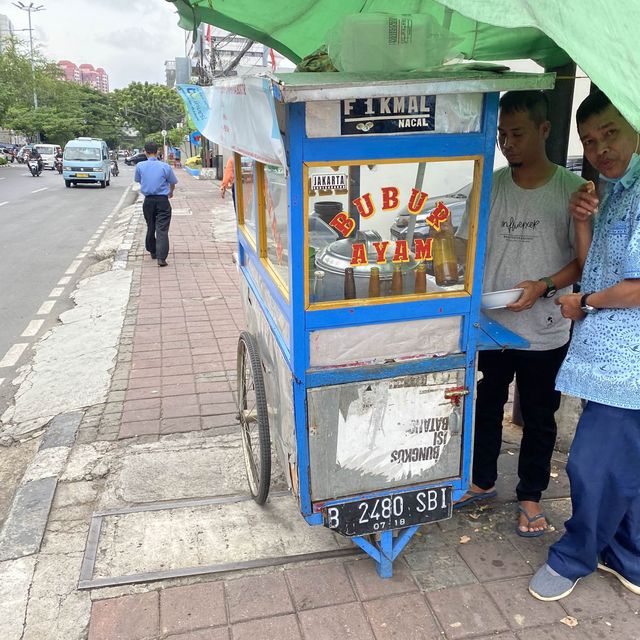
(390, 201)
(397, 114)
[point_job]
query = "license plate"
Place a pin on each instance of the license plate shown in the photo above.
(394, 511)
(82, 175)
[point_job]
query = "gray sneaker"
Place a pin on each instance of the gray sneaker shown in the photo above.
(548, 585)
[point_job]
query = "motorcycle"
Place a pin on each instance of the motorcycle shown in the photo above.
(35, 167)
(114, 168)
(58, 165)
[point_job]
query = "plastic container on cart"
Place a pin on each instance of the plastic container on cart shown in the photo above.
(367, 42)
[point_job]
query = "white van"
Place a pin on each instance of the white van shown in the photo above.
(86, 160)
(48, 153)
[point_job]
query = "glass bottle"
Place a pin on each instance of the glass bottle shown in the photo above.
(374, 283)
(318, 293)
(349, 284)
(421, 279)
(445, 264)
(396, 281)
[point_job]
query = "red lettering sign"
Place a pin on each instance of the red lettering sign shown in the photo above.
(416, 201)
(401, 253)
(438, 215)
(358, 254)
(343, 223)
(381, 250)
(390, 198)
(364, 205)
(423, 248)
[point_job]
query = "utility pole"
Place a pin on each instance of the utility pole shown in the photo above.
(31, 8)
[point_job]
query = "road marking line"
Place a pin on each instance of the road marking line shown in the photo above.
(13, 355)
(45, 308)
(64, 281)
(73, 267)
(1, 381)
(32, 328)
(43, 189)
(56, 293)
(3, 203)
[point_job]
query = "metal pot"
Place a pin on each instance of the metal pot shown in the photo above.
(336, 257)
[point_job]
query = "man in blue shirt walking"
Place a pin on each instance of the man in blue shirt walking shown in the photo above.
(603, 364)
(157, 182)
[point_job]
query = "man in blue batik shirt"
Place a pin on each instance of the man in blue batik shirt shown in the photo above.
(603, 364)
(157, 183)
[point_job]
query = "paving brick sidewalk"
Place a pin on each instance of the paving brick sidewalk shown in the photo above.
(462, 578)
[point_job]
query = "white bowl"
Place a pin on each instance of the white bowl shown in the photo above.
(500, 299)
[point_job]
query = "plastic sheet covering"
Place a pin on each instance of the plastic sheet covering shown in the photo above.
(455, 113)
(378, 343)
(253, 130)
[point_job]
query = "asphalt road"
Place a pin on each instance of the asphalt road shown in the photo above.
(43, 228)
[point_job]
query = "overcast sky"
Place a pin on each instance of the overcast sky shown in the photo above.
(130, 39)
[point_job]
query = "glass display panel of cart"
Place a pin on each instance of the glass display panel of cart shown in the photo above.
(248, 197)
(380, 434)
(276, 210)
(387, 229)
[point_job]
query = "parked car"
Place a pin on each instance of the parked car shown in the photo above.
(133, 160)
(8, 151)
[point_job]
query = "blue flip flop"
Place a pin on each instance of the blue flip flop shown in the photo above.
(530, 519)
(475, 496)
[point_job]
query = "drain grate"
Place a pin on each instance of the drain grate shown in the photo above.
(198, 537)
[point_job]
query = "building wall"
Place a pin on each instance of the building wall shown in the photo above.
(85, 74)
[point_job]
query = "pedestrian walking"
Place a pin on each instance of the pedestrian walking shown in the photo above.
(603, 364)
(157, 183)
(530, 245)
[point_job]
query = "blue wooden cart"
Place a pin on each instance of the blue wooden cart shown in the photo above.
(358, 363)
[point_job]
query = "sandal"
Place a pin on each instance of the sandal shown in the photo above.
(475, 496)
(530, 520)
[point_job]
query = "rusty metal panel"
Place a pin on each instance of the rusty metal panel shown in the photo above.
(381, 434)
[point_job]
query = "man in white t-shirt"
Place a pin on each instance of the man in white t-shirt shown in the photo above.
(529, 245)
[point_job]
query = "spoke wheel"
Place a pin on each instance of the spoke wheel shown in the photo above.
(254, 418)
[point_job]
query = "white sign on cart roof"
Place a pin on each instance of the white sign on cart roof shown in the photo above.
(238, 113)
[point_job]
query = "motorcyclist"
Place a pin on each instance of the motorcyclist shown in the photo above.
(58, 160)
(36, 157)
(113, 157)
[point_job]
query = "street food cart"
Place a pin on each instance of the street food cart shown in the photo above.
(363, 313)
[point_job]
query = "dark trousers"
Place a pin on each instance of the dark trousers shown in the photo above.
(157, 213)
(535, 373)
(604, 470)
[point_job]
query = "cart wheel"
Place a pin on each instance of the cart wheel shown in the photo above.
(254, 418)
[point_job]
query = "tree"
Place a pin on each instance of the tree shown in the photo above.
(66, 109)
(149, 107)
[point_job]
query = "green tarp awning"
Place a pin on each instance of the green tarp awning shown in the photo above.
(599, 36)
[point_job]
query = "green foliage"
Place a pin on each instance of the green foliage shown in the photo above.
(65, 109)
(175, 137)
(3, 161)
(149, 108)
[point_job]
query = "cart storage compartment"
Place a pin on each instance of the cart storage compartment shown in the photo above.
(380, 434)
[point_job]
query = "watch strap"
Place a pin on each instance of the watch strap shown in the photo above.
(551, 288)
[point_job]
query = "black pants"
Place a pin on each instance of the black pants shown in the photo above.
(535, 373)
(157, 213)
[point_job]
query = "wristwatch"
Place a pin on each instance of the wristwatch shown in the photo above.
(551, 288)
(586, 308)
